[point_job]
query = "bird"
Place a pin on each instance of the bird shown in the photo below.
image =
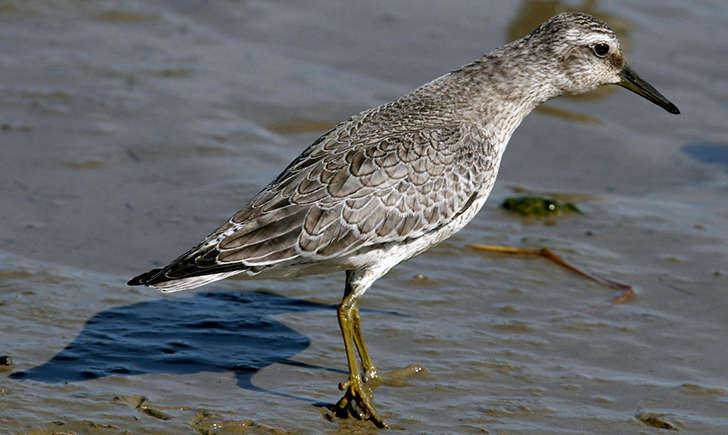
(392, 181)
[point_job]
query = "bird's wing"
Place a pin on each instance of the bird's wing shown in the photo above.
(350, 189)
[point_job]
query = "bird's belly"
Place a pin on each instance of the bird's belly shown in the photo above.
(396, 252)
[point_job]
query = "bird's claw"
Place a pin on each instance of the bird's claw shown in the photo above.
(357, 403)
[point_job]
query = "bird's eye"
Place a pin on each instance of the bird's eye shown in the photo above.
(601, 49)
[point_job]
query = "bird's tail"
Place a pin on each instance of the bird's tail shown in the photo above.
(145, 278)
(156, 278)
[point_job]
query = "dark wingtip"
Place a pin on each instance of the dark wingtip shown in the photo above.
(672, 109)
(144, 278)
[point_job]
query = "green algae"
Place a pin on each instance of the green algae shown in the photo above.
(536, 206)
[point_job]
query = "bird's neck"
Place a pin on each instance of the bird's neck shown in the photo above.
(505, 86)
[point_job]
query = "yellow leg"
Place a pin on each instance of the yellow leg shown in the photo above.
(357, 400)
(370, 372)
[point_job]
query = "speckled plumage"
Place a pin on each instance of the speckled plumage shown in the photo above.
(394, 180)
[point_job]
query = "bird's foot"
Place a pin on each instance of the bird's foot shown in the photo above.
(357, 402)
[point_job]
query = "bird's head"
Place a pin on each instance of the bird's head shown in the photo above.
(584, 53)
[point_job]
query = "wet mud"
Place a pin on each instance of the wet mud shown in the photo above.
(130, 131)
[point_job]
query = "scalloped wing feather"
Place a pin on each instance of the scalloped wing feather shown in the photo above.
(350, 189)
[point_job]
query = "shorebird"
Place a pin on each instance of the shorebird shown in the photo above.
(394, 180)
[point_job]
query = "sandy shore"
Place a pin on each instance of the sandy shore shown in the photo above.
(128, 134)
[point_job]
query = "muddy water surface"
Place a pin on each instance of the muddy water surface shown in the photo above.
(130, 130)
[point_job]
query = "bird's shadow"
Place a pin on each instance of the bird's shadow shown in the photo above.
(207, 332)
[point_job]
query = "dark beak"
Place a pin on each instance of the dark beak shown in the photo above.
(634, 83)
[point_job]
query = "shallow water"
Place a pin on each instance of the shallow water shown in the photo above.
(129, 132)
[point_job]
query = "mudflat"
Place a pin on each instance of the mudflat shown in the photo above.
(130, 133)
